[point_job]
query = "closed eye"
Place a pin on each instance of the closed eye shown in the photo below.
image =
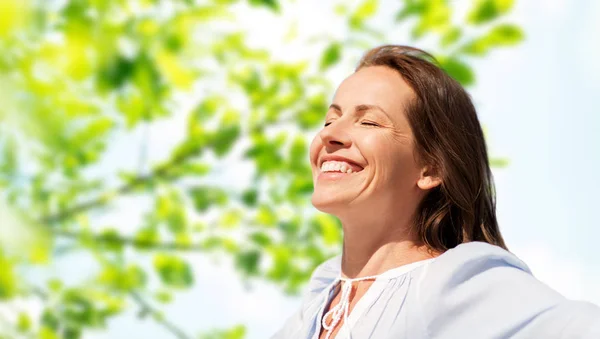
(368, 123)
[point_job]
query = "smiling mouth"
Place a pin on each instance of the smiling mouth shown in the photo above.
(339, 167)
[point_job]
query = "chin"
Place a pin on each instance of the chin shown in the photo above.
(329, 203)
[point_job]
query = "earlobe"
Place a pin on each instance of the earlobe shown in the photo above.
(428, 182)
(428, 179)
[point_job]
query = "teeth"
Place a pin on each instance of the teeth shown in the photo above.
(336, 166)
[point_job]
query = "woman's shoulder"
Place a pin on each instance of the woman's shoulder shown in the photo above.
(485, 291)
(477, 256)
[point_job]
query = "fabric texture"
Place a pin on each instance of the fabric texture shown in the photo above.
(475, 290)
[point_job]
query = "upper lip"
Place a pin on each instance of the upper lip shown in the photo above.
(332, 157)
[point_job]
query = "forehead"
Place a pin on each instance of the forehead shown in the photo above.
(374, 85)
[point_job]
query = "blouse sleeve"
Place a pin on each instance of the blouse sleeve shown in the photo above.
(478, 290)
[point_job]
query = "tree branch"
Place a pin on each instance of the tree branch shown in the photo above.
(130, 241)
(146, 308)
(102, 199)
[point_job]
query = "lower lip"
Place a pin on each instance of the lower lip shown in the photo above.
(333, 175)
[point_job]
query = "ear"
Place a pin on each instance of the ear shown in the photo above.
(428, 179)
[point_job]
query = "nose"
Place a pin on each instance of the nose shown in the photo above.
(335, 135)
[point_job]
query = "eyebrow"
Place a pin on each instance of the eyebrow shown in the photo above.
(360, 108)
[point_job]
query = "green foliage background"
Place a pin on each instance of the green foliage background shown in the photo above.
(78, 76)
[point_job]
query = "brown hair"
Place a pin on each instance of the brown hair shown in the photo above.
(449, 138)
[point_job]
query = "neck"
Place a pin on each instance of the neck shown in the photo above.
(381, 246)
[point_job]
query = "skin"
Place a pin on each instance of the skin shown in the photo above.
(366, 123)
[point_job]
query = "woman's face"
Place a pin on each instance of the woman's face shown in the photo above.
(364, 154)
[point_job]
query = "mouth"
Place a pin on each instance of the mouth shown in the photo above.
(338, 169)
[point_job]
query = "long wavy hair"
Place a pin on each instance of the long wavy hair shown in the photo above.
(448, 138)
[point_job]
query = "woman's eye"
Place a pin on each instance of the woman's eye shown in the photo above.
(327, 123)
(368, 123)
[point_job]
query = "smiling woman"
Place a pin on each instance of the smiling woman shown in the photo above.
(402, 162)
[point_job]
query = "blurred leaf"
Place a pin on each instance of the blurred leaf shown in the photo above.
(23, 322)
(458, 70)
(173, 271)
(331, 56)
(451, 36)
(330, 228)
(299, 187)
(48, 333)
(488, 10)
(364, 11)
(314, 113)
(205, 196)
(248, 261)
(261, 239)
(229, 131)
(250, 197)
(164, 297)
(146, 238)
(123, 279)
(172, 70)
(271, 4)
(230, 219)
(500, 35)
(281, 260)
(115, 73)
(499, 162)
(266, 216)
(14, 16)
(412, 8)
(237, 332)
(298, 152)
(8, 278)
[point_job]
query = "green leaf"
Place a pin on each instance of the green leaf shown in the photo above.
(298, 152)
(230, 219)
(261, 239)
(488, 10)
(48, 333)
(458, 70)
(250, 197)
(331, 55)
(501, 35)
(265, 216)
(329, 228)
(110, 239)
(23, 322)
(366, 10)
(499, 162)
(225, 138)
(299, 187)
(282, 255)
(177, 220)
(271, 4)
(314, 114)
(207, 108)
(164, 297)
(8, 278)
(412, 8)
(206, 196)
(115, 73)
(146, 238)
(450, 36)
(248, 261)
(173, 271)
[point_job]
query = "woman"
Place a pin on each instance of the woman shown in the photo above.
(402, 163)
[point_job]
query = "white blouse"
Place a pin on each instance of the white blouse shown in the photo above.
(475, 290)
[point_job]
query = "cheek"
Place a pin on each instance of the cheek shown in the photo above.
(393, 159)
(315, 147)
